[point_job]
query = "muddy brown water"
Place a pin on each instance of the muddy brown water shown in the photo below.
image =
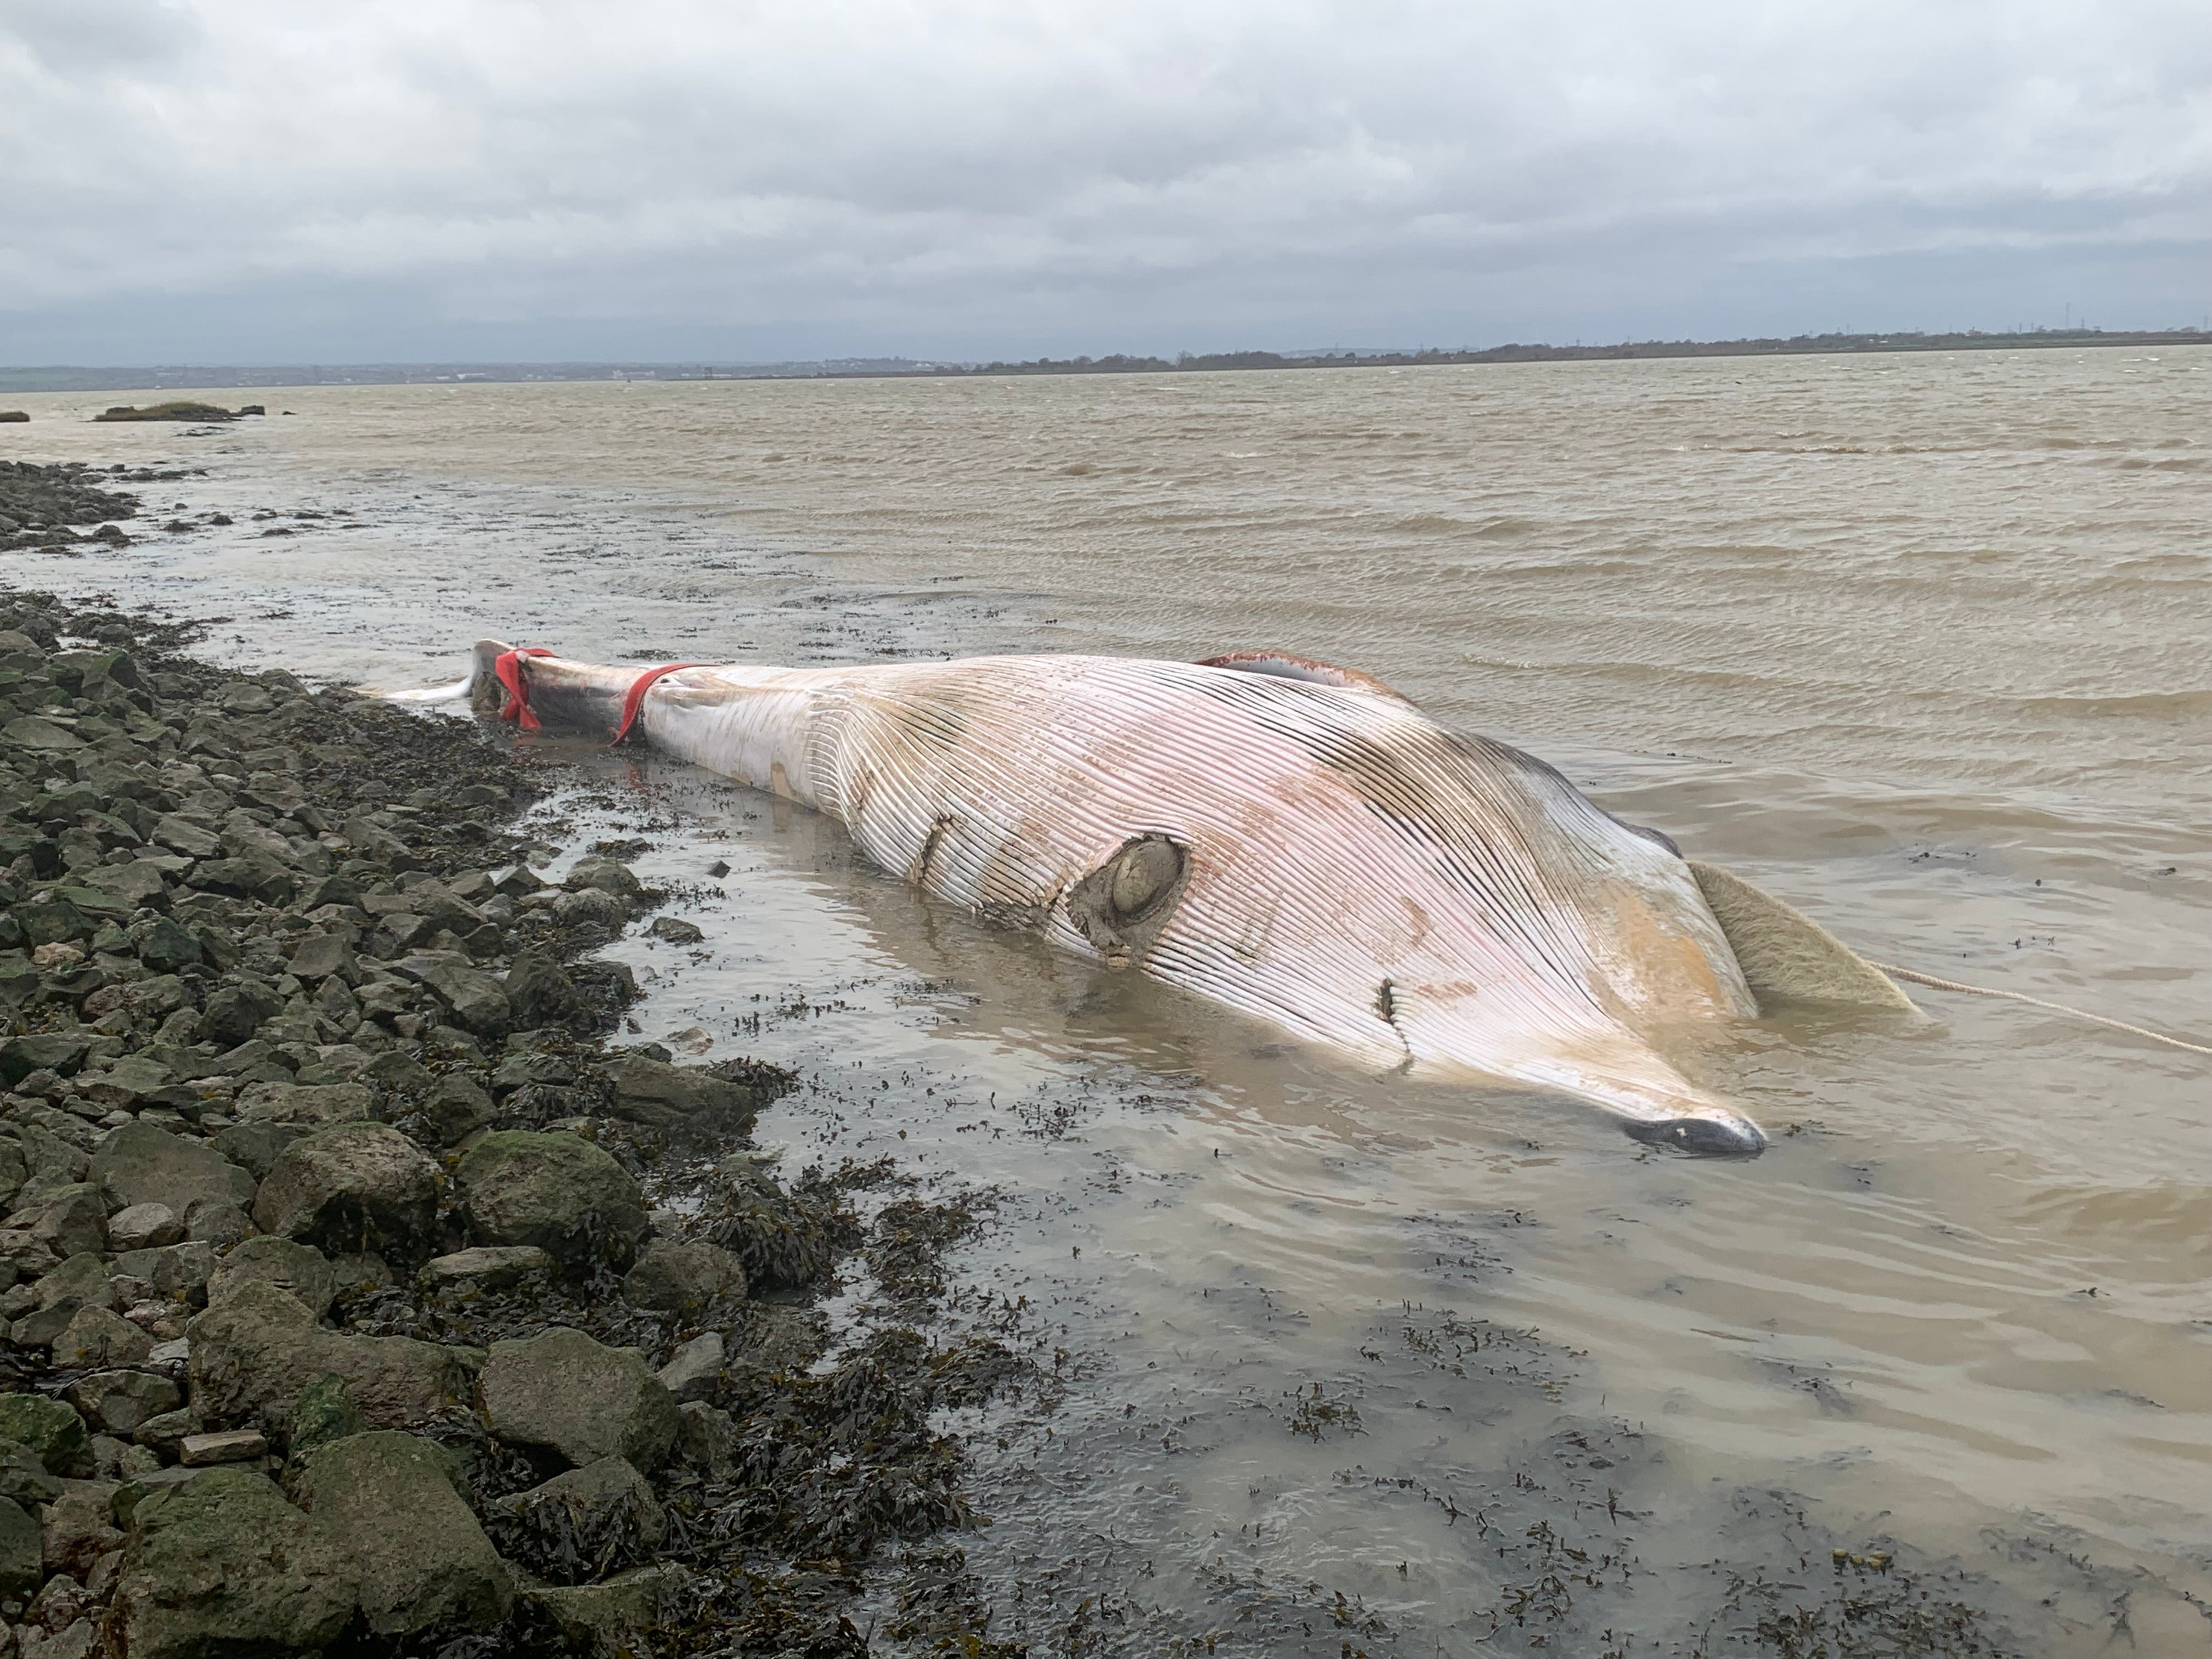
(1924, 644)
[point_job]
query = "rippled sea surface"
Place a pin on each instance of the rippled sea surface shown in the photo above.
(1922, 644)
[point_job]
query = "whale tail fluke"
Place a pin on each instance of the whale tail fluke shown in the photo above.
(486, 692)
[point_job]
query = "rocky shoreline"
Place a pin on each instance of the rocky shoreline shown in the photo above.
(362, 1296)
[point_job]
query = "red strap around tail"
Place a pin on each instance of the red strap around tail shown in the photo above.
(508, 667)
(635, 700)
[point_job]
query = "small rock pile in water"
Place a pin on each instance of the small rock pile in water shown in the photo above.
(344, 1300)
(38, 503)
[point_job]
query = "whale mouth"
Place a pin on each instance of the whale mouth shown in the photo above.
(1701, 1137)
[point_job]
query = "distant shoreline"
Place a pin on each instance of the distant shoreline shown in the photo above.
(71, 378)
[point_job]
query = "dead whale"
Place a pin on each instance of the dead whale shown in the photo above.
(1287, 837)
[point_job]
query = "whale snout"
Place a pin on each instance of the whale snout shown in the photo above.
(1702, 1137)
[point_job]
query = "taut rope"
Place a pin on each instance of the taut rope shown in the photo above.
(1918, 978)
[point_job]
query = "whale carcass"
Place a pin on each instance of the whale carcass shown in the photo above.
(1294, 839)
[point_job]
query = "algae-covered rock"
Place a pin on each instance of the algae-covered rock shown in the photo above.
(582, 1525)
(673, 1277)
(358, 1186)
(785, 1242)
(652, 1091)
(53, 1432)
(324, 1411)
(567, 1392)
(557, 1191)
(177, 409)
(425, 1564)
(221, 1564)
(611, 1618)
(258, 1349)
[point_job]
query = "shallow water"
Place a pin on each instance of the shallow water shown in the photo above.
(1920, 643)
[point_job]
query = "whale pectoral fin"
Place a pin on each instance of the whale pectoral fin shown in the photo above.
(1123, 906)
(1786, 955)
(1285, 666)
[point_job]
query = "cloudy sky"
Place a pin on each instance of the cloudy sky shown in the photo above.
(263, 181)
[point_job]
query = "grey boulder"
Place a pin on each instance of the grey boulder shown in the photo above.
(358, 1186)
(97, 1338)
(301, 1269)
(694, 1369)
(307, 1106)
(124, 1401)
(144, 1227)
(477, 1001)
(22, 1551)
(72, 1220)
(140, 1163)
(487, 1267)
(456, 1109)
(574, 1396)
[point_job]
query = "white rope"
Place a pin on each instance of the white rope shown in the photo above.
(2023, 996)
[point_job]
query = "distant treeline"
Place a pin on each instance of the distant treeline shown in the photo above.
(74, 378)
(1185, 361)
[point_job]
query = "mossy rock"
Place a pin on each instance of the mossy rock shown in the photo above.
(558, 1192)
(223, 1565)
(48, 1427)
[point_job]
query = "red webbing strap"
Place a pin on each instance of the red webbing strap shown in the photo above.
(517, 707)
(635, 700)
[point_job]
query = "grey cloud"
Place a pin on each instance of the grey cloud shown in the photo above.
(1087, 176)
(90, 38)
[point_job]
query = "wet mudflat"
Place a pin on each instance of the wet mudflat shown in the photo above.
(1951, 1320)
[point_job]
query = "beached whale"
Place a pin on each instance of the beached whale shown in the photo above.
(1294, 840)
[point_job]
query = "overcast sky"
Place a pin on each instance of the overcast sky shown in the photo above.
(273, 181)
